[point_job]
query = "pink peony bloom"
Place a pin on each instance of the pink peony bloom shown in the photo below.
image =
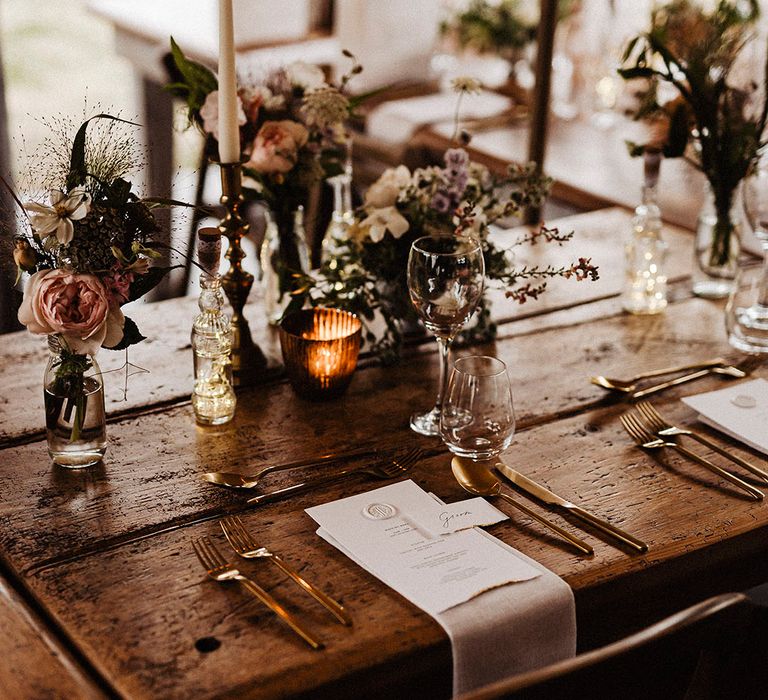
(209, 113)
(75, 306)
(275, 148)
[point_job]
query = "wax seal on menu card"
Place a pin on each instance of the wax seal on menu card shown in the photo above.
(744, 401)
(379, 511)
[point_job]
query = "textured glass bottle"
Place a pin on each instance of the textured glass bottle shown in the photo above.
(74, 407)
(213, 398)
(645, 286)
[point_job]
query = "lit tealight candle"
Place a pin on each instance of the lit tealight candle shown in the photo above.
(320, 348)
(229, 130)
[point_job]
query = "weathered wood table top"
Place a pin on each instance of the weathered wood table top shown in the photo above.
(101, 594)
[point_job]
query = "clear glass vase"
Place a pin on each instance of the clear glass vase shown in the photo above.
(717, 246)
(283, 253)
(75, 418)
(746, 315)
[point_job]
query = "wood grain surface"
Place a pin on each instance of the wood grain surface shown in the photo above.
(105, 555)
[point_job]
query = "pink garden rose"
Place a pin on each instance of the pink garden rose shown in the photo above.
(275, 148)
(76, 306)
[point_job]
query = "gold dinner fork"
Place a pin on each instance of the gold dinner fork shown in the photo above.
(243, 544)
(385, 469)
(640, 434)
(219, 569)
(663, 428)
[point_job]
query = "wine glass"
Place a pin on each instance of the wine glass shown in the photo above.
(747, 311)
(478, 418)
(445, 283)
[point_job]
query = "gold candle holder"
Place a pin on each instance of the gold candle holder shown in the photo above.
(248, 361)
(320, 348)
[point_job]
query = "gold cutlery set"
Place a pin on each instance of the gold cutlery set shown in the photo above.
(651, 431)
(477, 478)
(691, 372)
(219, 569)
(644, 424)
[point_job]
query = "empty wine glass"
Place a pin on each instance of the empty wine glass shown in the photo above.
(478, 419)
(746, 315)
(445, 282)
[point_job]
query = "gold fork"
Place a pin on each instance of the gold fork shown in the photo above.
(640, 434)
(385, 469)
(662, 427)
(217, 567)
(243, 544)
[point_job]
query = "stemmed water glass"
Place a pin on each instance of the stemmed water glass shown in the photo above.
(445, 282)
(747, 310)
(478, 418)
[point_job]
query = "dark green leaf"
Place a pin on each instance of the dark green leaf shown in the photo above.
(144, 283)
(200, 81)
(131, 335)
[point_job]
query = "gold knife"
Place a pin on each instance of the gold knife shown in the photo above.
(545, 495)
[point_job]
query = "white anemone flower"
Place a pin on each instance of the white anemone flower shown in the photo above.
(379, 221)
(57, 218)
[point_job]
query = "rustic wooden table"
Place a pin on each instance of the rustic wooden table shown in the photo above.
(101, 594)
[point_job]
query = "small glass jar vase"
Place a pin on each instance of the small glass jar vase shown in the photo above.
(717, 247)
(75, 419)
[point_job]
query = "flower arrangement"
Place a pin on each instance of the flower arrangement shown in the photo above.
(367, 273)
(88, 249)
(292, 129)
(502, 27)
(711, 120)
(87, 246)
(493, 27)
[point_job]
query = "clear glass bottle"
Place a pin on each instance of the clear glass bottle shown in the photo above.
(645, 287)
(342, 216)
(213, 398)
(75, 420)
(271, 261)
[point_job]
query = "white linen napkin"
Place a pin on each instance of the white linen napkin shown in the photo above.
(395, 121)
(506, 630)
(740, 411)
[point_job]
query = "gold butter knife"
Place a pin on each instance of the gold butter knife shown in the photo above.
(545, 495)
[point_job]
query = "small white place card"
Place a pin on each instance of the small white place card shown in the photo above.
(740, 411)
(446, 518)
(434, 573)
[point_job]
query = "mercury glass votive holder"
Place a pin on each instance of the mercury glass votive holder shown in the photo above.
(320, 348)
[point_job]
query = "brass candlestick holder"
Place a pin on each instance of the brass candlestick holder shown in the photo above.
(248, 361)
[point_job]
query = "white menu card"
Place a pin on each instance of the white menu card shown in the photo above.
(433, 572)
(740, 411)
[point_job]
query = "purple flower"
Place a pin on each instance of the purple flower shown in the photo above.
(440, 202)
(456, 159)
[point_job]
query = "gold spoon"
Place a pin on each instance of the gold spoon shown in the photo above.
(631, 384)
(628, 386)
(477, 478)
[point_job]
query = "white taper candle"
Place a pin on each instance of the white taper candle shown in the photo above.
(229, 131)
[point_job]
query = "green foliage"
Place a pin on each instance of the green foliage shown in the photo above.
(196, 81)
